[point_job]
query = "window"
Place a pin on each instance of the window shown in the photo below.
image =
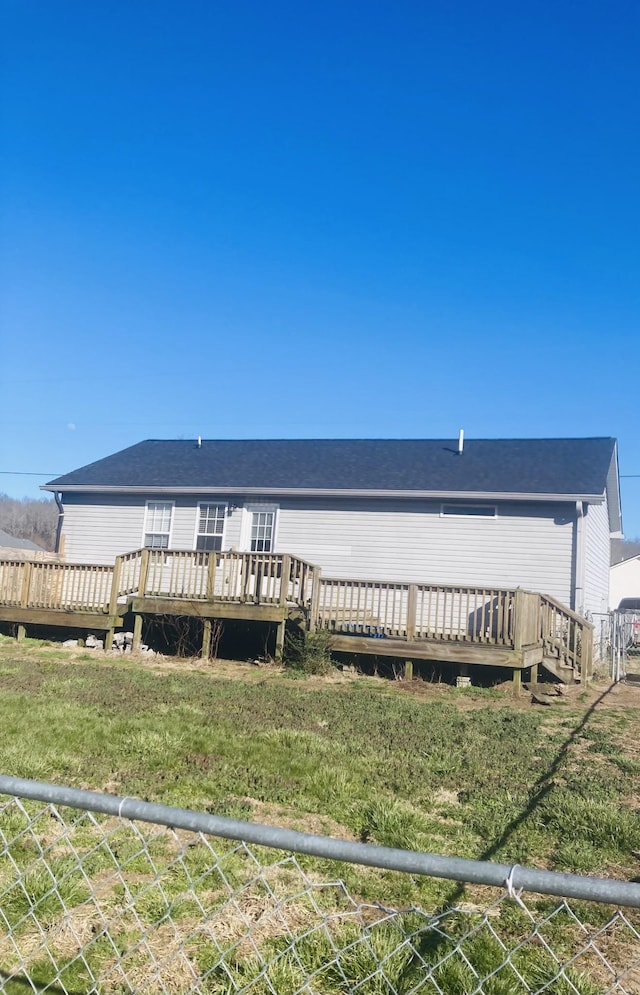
(157, 526)
(262, 526)
(469, 510)
(210, 526)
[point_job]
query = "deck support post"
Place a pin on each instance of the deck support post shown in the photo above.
(408, 670)
(517, 680)
(108, 639)
(21, 633)
(280, 631)
(137, 633)
(206, 639)
(534, 674)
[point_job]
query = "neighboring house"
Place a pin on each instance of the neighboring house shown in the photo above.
(624, 581)
(13, 548)
(624, 549)
(534, 513)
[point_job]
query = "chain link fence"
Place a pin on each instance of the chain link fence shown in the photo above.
(103, 894)
(617, 644)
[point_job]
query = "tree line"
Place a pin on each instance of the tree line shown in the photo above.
(35, 519)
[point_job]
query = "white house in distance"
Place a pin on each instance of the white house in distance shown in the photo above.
(530, 513)
(624, 581)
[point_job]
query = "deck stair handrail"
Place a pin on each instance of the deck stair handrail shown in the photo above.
(566, 636)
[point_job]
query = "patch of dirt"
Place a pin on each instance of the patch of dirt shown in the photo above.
(158, 963)
(444, 797)
(288, 818)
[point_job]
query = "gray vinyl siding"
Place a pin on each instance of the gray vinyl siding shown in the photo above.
(526, 545)
(98, 528)
(597, 559)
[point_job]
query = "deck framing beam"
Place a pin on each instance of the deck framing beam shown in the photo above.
(65, 619)
(209, 609)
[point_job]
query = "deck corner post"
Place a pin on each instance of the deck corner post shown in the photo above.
(285, 577)
(315, 599)
(517, 680)
(206, 639)
(137, 633)
(145, 557)
(115, 586)
(408, 670)
(21, 632)
(412, 611)
(108, 639)
(212, 566)
(518, 605)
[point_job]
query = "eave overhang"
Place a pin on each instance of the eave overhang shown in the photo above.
(334, 492)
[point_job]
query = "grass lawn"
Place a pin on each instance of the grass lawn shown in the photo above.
(471, 773)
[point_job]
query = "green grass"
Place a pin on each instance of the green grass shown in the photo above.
(466, 774)
(474, 777)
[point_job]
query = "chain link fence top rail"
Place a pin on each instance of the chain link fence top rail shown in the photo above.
(106, 894)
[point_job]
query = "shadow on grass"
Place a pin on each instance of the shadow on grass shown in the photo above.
(429, 945)
(21, 981)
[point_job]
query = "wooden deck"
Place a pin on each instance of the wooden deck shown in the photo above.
(496, 627)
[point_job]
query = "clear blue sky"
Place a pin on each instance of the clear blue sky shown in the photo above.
(339, 219)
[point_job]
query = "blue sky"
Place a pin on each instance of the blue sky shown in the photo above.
(297, 220)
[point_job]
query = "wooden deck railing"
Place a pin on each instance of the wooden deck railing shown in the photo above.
(239, 577)
(428, 611)
(510, 618)
(215, 576)
(55, 586)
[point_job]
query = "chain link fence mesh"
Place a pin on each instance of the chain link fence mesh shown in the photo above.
(93, 903)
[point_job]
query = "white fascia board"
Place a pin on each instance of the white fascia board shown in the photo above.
(613, 493)
(328, 492)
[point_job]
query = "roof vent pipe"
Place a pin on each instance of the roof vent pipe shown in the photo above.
(461, 442)
(199, 442)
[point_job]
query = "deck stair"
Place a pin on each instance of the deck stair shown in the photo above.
(496, 627)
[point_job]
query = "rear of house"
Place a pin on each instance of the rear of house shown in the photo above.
(533, 513)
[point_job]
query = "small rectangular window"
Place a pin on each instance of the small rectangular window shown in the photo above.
(210, 526)
(157, 527)
(469, 511)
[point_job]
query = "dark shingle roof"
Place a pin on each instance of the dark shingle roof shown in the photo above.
(13, 542)
(524, 466)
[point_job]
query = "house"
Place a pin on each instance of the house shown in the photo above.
(624, 581)
(22, 549)
(531, 513)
